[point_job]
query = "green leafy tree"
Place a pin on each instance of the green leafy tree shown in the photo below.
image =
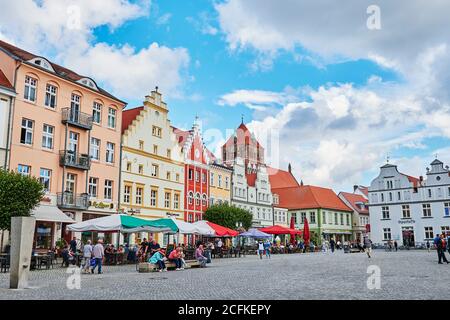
(18, 196)
(228, 216)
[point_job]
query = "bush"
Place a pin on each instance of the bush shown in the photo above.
(227, 216)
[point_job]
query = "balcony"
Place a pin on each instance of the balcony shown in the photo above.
(74, 160)
(76, 118)
(71, 201)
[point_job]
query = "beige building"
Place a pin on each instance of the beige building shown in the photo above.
(66, 132)
(219, 184)
(152, 179)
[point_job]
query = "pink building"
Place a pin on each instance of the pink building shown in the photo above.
(66, 131)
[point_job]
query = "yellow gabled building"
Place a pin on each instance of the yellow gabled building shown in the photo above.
(152, 174)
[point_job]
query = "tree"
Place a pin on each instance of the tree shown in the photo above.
(228, 216)
(18, 196)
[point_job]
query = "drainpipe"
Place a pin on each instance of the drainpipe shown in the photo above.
(12, 113)
(120, 175)
(8, 134)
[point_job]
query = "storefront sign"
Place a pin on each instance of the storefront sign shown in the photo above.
(409, 221)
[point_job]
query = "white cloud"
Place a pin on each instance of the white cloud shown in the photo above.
(67, 38)
(164, 19)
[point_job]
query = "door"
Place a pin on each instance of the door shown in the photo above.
(73, 146)
(408, 236)
(70, 192)
(75, 108)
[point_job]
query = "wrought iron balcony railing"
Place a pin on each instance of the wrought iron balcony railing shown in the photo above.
(69, 200)
(76, 118)
(75, 160)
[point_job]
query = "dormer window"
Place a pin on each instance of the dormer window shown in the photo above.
(43, 63)
(88, 83)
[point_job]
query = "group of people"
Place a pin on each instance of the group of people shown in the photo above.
(264, 248)
(441, 244)
(93, 257)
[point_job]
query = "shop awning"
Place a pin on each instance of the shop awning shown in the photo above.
(337, 232)
(217, 230)
(50, 214)
(277, 229)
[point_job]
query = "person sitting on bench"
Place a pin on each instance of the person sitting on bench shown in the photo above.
(200, 257)
(158, 259)
(175, 257)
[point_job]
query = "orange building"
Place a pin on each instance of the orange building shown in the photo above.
(66, 131)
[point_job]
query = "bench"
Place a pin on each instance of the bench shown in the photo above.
(150, 267)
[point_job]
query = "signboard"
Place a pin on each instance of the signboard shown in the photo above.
(409, 221)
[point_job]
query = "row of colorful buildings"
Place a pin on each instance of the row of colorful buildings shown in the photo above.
(96, 158)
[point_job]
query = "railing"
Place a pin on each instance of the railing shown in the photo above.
(75, 160)
(69, 200)
(76, 118)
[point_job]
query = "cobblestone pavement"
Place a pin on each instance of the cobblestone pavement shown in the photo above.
(404, 275)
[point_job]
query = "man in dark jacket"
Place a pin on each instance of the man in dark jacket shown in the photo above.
(332, 245)
(441, 246)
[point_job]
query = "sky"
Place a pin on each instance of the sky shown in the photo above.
(334, 90)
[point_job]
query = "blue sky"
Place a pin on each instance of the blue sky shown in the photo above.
(341, 96)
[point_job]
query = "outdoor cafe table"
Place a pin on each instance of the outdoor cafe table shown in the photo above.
(37, 259)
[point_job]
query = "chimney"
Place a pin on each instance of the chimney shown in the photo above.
(290, 168)
(354, 188)
(301, 182)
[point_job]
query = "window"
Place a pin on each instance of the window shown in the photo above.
(154, 172)
(47, 136)
(302, 217)
(112, 118)
(167, 196)
(227, 182)
(447, 209)
(342, 219)
(429, 193)
(129, 166)
(126, 194)
(197, 176)
(30, 89)
(141, 145)
(75, 107)
(390, 185)
(190, 197)
(312, 217)
(390, 196)
(406, 211)
(204, 200)
(156, 131)
(24, 169)
(385, 212)
(399, 196)
(93, 182)
(197, 199)
(426, 209)
(95, 148)
(153, 197)
(336, 218)
(176, 201)
(168, 175)
(219, 181)
(445, 229)
(211, 179)
(110, 152)
(428, 233)
(50, 96)
(139, 193)
(141, 169)
(204, 178)
(387, 234)
(26, 133)
(324, 217)
(191, 174)
(177, 177)
(347, 219)
(155, 149)
(44, 178)
(169, 153)
(108, 189)
(97, 113)
(382, 197)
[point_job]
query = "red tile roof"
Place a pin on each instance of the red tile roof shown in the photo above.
(281, 179)
(128, 116)
(182, 136)
(62, 72)
(354, 200)
(309, 197)
(415, 181)
(4, 82)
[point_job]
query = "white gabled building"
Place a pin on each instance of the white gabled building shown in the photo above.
(407, 209)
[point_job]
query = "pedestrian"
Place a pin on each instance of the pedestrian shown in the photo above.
(396, 246)
(441, 246)
(428, 246)
(73, 245)
(332, 245)
(98, 253)
(143, 249)
(87, 254)
(267, 246)
(260, 249)
(367, 246)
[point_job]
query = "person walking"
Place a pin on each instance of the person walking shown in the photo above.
(396, 246)
(87, 254)
(267, 246)
(73, 245)
(367, 246)
(332, 245)
(428, 246)
(98, 253)
(260, 249)
(441, 247)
